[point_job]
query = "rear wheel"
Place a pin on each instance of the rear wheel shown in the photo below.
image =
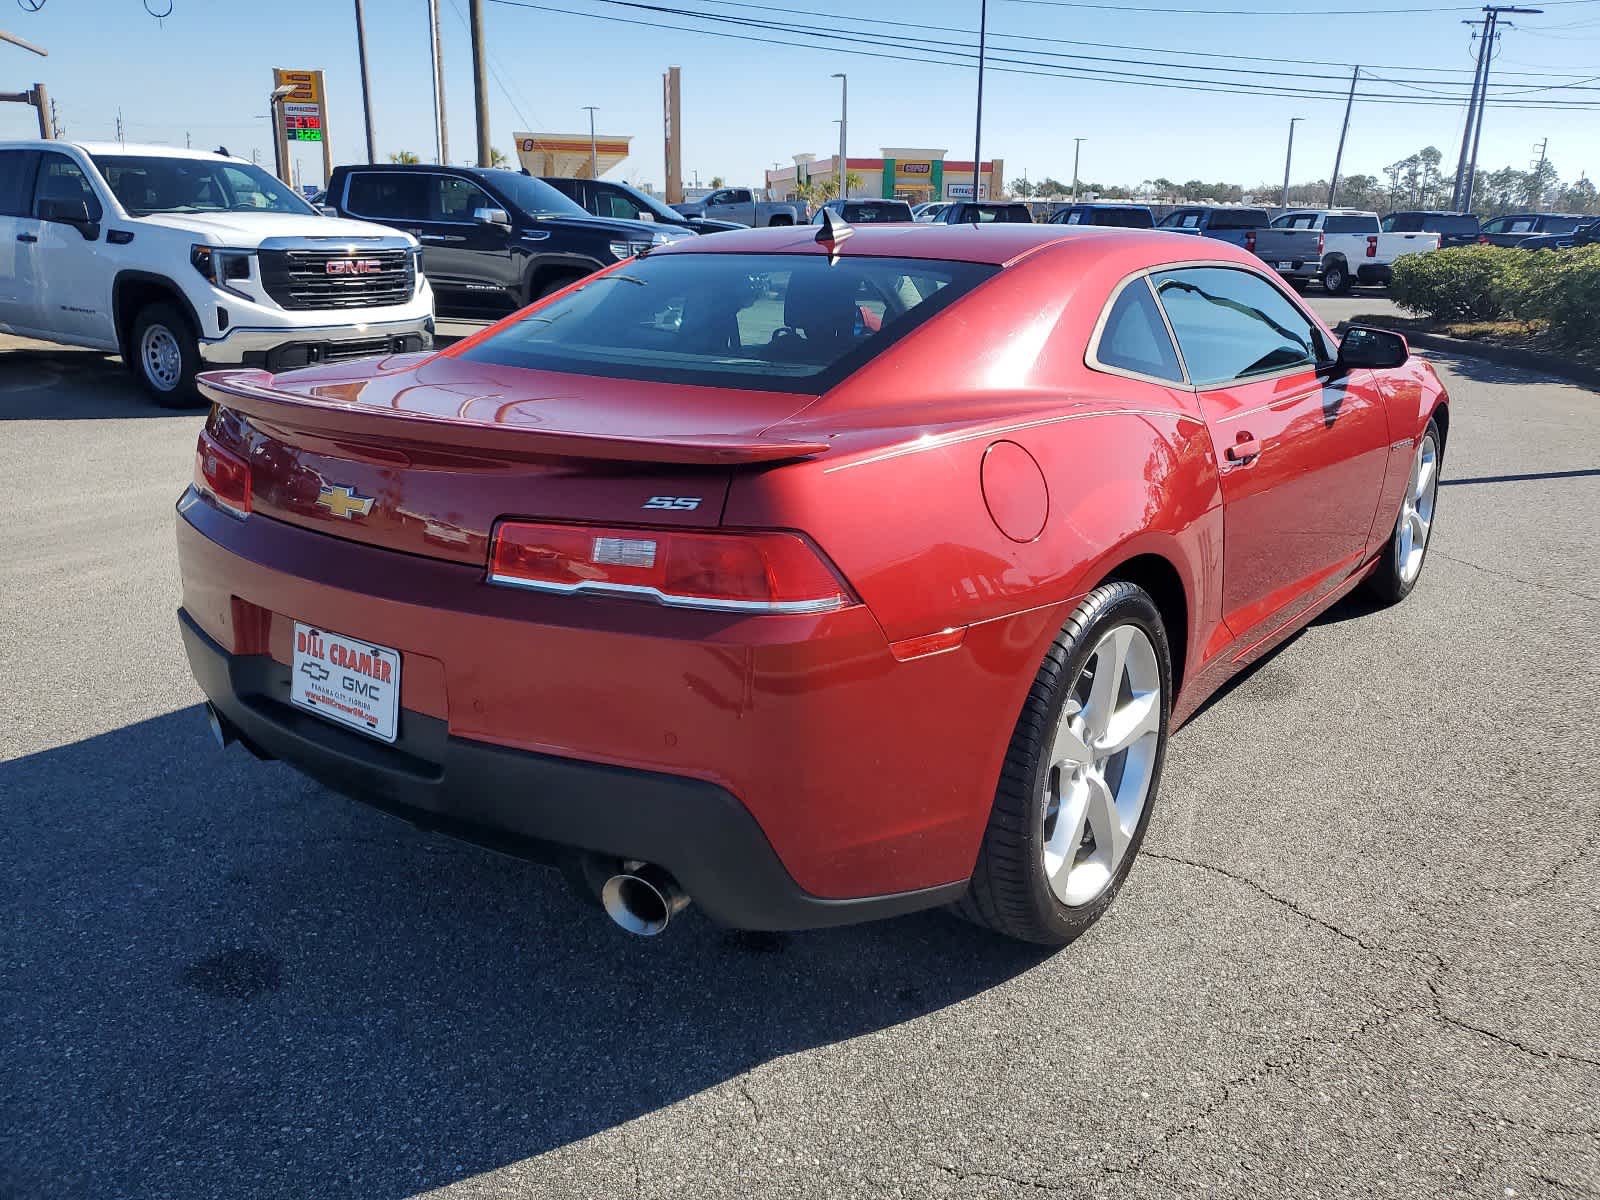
(1336, 278)
(164, 353)
(1080, 776)
(1400, 565)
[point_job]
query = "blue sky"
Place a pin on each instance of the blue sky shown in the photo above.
(206, 69)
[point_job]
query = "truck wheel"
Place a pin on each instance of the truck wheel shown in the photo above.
(164, 354)
(780, 220)
(543, 284)
(1336, 278)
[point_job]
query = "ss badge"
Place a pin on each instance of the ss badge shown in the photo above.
(675, 503)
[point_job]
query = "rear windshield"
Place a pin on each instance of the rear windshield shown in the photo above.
(1238, 218)
(775, 322)
(1120, 218)
(1350, 225)
(884, 210)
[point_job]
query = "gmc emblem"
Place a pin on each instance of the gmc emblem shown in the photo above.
(353, 266)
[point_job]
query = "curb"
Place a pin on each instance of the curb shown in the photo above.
(1506, 356)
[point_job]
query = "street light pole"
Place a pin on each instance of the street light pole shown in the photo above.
(594, 169)
(1289, 158)
(977, 139)
(280, 142)
(1077, 145)
(844, 125)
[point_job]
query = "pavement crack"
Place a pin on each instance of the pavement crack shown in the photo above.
(750, 1099)
(1533, 583)
(1283, 901)
(1445, 1018)
(963, 1174)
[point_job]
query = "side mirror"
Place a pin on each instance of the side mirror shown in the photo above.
(491, 216)
(1373, 349)
(327, 210)
(61, 211)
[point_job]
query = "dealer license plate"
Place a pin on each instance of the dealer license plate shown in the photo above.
(350, 682)
(1286, 266)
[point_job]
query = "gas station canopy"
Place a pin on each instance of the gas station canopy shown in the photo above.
(566, 155)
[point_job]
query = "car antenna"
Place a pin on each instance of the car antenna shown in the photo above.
(832, 233)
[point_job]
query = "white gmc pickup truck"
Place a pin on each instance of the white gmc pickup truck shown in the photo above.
(179, 260)
(1354, 247)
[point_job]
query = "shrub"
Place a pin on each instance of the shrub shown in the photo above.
(1562, 289)
(1466, 283)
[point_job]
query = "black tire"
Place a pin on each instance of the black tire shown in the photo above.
(1010, 892)
(1388, 583)
(1336, 278)
(168, 380)
(775, 222)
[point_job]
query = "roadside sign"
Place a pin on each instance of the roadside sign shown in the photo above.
(303, 112)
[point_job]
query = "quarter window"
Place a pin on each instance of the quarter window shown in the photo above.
(1233, 324)
(388, 195)
(1135, 337)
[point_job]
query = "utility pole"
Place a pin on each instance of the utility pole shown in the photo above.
(366, 81)
(1077, 145)
(57, 129)
(121, 136)
(1289, 158)
(1338, 156)
(1538, 174)
(844, 118)
(594, 169)
(480, 82)
(1472, 112)
(977, 139)
(1486, 58)
(441, 139)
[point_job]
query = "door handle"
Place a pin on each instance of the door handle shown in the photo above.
(1243, 450)
(27, 237)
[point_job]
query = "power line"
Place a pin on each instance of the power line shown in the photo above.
(962, 55)
(1269, 12)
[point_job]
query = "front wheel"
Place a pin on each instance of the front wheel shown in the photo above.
(1400, 565)
(165, 356)
(1080, 776)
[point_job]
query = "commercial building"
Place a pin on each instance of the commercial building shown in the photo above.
(905, 173)
(567, 154)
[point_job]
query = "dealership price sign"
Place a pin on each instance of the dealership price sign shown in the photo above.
(304, 110)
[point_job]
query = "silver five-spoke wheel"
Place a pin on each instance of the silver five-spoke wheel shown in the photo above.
(1102, 760)
(162, 357)
(1416, 510)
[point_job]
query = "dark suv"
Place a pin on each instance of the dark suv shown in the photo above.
(492, 241)
(607, 198)
(1453, 228)
(1117, 216)
(965, 212)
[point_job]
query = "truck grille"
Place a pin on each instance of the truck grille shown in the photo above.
(303, 279)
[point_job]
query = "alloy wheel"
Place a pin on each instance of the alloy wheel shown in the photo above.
(162, 357)
(1101, 762)
(1416, 510)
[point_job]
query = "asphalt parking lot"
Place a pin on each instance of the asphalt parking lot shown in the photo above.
(1359, 958)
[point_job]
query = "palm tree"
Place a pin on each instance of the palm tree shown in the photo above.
(717, 181)
(497, 158)
(408, 157)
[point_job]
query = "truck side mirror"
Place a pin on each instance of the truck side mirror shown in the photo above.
(491, 216)
(61, 211)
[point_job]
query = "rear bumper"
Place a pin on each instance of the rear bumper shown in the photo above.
(535, 806)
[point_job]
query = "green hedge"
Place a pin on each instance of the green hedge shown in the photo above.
(1491, 283)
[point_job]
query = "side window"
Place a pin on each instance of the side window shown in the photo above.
(62, 179)
(613, 204)
(1190, 220)
(1522, 225)
(16, 182)
(1234, 324)
(454, 199)
(1498, 225)
(387, 195)
(739, 196)
(1135, 337)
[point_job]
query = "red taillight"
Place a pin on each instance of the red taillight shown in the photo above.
(222, 475)
(749, 571)
(1250, 240)
(1322, 241)
(1372, 245)
(1483, 239)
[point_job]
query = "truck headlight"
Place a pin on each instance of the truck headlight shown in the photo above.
(221, 267)
(621, 250)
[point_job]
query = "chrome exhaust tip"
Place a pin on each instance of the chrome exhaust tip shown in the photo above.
(643, 898)
(221, 732)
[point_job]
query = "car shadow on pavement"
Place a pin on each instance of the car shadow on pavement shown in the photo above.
(215, 969)
(54, 384)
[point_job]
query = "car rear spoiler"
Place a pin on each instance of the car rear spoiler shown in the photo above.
(244, 391)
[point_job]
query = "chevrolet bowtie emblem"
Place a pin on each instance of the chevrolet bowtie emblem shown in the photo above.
(344, 502)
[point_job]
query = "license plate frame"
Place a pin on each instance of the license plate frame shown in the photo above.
(348, 681)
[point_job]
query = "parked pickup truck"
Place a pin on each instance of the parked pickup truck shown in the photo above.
(608, 198)
(1223, 223)
(1295, 253)
(180, 260)
(740, 206)
(1354, 247)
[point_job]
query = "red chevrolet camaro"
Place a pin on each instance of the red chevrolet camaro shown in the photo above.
(812, 576)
